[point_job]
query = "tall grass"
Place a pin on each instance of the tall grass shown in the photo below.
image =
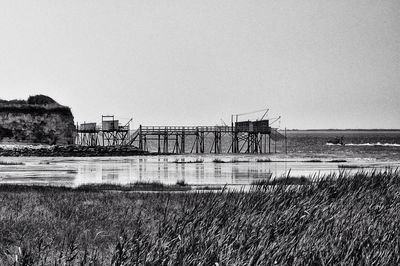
(348, 220)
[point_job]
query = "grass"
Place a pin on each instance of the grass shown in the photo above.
(184, 162)
(348, 166)
(347, 220)
(181, 183)
(267, 160)
(217, 160)
(38, 104)
(337, 161)
(356, 166)
(239, 161)
(36, 109)
(11, 163)
(210, 188)
(281, 181)
(313, 161)
(137, 186)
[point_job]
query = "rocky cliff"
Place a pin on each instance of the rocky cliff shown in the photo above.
(40, 119)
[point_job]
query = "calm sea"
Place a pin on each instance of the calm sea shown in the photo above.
(309, 154)
(367, 145)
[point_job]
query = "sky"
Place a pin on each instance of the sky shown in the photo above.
(315, 63)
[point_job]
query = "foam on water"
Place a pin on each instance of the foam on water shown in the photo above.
(367, 144)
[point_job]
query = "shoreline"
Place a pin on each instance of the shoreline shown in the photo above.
(70, 151)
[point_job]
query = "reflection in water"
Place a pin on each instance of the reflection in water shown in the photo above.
(193, 169)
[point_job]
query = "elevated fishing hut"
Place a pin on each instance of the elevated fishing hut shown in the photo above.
(110, 133)
(243, 137)
(246, 136)
(251, 136)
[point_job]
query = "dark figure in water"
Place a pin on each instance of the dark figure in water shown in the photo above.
(337, 141)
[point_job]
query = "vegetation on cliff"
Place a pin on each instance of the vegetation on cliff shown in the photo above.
(37, 104)
(39, 119)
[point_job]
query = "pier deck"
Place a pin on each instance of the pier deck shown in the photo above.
(240, 137)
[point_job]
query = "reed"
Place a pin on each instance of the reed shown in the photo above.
(338, 219)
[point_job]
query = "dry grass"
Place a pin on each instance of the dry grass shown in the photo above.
(348, 220)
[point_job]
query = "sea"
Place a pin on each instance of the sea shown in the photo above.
(305, 154)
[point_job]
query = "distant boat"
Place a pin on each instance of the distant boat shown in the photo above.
(337, 141)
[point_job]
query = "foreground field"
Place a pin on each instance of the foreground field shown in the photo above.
(345, 220)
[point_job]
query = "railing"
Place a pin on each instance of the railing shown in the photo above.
(98, 128)
(186, 129)
(132, 137)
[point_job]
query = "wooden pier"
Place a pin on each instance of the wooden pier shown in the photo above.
(241, 137)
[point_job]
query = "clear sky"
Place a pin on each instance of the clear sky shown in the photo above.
(317, 63)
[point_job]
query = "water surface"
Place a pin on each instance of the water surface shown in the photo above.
(238, 170)
(308, 155)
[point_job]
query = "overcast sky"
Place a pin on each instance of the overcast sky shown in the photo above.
(318, 64)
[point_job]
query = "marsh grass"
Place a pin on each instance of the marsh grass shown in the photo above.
(359, 166)
(351, 166)
(266, 160)
(339, 219)
(181, 183)
(338, 161)
(11, 163)
(259, 184)
(210, 188)
(239, 161)
(185, 162)
(137, 186)
(216, 160)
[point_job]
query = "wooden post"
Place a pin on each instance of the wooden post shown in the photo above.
(202, 141)
(248, 143)
(197, 140)
(183, 141)
(177, 143)
(159, 143)
(140, 138)
(269, 143)
(165, 141)
(215, 141)
(285, 141)
(233, 136)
